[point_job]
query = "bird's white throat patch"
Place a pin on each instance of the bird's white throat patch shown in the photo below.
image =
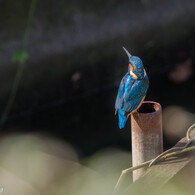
(133, 74)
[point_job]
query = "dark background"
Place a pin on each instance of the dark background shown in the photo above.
(69, 83)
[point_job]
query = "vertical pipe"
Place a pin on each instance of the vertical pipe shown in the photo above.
(146, 128)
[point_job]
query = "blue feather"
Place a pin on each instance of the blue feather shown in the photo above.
(122, 119)
(125, 86)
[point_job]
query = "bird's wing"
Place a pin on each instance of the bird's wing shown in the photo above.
(125, 85)
(134, 97)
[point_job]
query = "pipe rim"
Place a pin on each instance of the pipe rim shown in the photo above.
(149, 107)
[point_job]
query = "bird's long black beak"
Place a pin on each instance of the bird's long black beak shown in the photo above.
(129, 55)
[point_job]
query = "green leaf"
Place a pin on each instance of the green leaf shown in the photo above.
(19, 56)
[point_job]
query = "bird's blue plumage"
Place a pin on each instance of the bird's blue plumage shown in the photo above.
(131, 91)
(122, 118)
(134, 97)
(125, 86)
(137, 64)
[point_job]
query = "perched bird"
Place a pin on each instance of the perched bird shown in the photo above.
(132, 89)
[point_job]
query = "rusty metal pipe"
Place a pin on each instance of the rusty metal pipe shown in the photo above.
(146, 128)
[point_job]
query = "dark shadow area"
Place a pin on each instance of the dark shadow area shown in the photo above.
(70, 82)
(148, 107)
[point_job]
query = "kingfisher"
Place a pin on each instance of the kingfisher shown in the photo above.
(132, 89)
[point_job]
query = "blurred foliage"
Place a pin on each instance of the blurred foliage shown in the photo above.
(20, 56)
(175, 122)
(39, 165)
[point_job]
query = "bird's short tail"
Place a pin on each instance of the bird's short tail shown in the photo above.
(122, 119)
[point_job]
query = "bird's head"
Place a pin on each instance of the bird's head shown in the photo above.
(136, 68)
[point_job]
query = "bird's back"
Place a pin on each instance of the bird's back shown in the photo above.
(125, 86)
(136, 94)
(130, 94)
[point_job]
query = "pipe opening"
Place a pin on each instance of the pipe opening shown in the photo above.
(149, 107)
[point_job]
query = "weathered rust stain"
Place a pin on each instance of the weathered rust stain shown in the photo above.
(146, 127)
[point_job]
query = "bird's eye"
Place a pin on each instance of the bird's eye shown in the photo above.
(130, 67)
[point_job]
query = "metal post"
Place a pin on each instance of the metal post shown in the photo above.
(146, 128)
